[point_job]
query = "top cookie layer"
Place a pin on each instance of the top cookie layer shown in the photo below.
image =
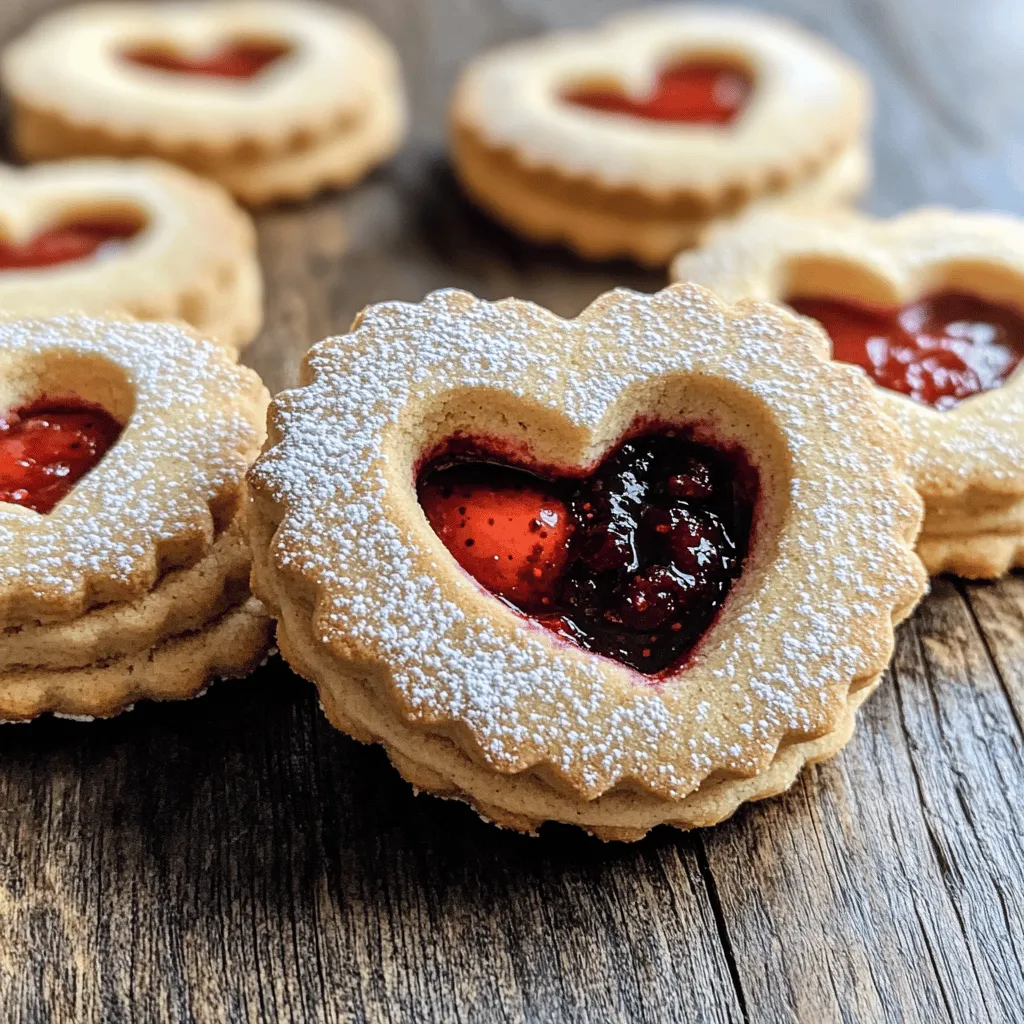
(193, 421)
(808, 102)
(970, 454)
(70, 65)
(194, 246)
(338, 530)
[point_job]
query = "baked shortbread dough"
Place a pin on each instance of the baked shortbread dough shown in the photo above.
(476, 695)
(275, 99)
(165, 245)
(130, 579)
(966, 451)
(632, 139)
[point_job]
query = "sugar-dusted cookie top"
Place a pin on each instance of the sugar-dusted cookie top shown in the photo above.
(136, 236)
(154, 428)
(774, 482)
(929, 303)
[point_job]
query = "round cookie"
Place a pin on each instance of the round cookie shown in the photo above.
(136, 237)
(523, 709)
(951, 283)
(608, 142)
(123, 452)
(275, 99)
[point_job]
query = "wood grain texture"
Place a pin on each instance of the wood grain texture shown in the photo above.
(235, 859)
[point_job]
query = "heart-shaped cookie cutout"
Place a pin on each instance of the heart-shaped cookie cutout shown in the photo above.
(96, 235)
(357, 563)
(236, 58)
(691, 92)
(46, 447)
(632, 560)
(939, 350)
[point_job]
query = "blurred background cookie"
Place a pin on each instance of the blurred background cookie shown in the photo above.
(275, 99)
(128, 236)
(630, 140)
(930, 305)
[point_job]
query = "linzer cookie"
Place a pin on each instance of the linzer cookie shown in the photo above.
(931, 306)
(275, 99)
(629, 569)
(633, 139)
(128, 236)
(124, 566)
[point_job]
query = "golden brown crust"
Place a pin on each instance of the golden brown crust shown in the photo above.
(228, 646)
(182, 601)
(967, 462)
(375, 610)
(601, 224)
(322, 116)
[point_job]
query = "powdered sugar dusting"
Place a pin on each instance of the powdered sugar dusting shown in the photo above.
(196, 425)
(811, 613)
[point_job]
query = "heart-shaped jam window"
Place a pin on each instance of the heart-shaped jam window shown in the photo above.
(938, 350)
(694, 92)
(73, 240)
(48, 446)
(632, 561)
(237, 58)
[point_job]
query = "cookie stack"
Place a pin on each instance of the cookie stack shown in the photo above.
(591, 139)
(274, 99)
(576, 572)
(125, 568)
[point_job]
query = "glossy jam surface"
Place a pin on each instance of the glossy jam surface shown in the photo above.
(939, 351)
(75, 240)
(691, 93)
(48, 446)
(632, 562)
(231, 60)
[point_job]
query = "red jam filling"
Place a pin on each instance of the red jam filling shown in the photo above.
(633, 561)
(231, 60)
(77, 240)
(697, 92)
(48, 446)
(938, 351)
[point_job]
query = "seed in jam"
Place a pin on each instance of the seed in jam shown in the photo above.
(632, 562)
(48, 446)
(696, 92)
(939, 350)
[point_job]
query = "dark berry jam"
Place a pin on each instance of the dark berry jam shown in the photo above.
(939, 350)
(231, 60)
(48, 446)
(704, 92)
(632, 562)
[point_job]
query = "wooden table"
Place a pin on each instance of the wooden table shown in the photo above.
(236, 859)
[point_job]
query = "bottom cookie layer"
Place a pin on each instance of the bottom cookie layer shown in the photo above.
(336, 161)
(523, 802)
(505, 192)
(180, 667)
(983, 556)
